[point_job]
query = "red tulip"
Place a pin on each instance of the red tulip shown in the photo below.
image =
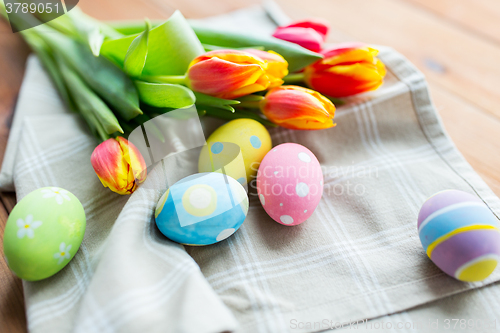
(346, 69)
(298, 108)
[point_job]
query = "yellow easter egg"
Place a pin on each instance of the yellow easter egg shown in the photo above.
(236, 149)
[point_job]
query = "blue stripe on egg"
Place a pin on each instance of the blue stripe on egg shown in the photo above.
(454, 217)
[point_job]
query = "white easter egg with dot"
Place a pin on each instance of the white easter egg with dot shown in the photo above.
(254, 143)
(43, 233)
(290, 183)
(202, 209)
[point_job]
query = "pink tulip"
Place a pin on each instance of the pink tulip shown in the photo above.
(309, 34)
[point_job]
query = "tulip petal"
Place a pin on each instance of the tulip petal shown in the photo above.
(346, 71)
(221, 78)
(107, 161)
(349, 57)
(307, 124)
(234, 56)
(305, 37)
(112, 161)
(298, 107)
(132, 155)
(320, 25)
(277, 66)
(340, 48)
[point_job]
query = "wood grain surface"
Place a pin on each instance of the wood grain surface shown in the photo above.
(455, 43)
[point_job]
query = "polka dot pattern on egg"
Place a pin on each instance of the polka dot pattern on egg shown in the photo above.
(202, 209)
(302, 189)
(237, 146)
(255, 142)
(304, 157)
(286, 219)
(217, 148)
(290, 183)
(225, 234)
(200, 200)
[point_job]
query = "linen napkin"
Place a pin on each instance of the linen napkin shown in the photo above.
(358, 257)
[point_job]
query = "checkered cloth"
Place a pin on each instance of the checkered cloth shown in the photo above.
(358, 257)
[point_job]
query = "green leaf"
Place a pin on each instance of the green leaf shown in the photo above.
(172, 46)
(44, 55)
(3, 12)
(251, 98)
(142, 119)
(84, 22)
(135, 59)
(87, 101)
(154, 111)
(131, 27)
(106, 79)
(336, 101)
(173, 79)
(90, 30)
(220, 103)
(223, 114)
(297, 56)
(209, 47)
(95, 39)
(165, 95)
(62, 23)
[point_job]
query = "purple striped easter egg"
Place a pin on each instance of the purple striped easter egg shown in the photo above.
(460, 235)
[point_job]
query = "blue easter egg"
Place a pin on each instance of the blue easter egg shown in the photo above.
(202, 209)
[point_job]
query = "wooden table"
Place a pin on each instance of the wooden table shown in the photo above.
(456, 43)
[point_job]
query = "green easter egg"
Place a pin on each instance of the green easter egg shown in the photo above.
(43, 233)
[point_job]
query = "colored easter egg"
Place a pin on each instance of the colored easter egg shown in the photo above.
(202, 209)
(43, 233)
(249, 135)
(460, 235)
(290, 183)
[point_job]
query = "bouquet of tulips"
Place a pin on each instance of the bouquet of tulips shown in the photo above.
(118, 76)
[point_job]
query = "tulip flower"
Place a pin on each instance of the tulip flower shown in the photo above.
(298, 108)
(119, 165)
(318, 24)
(228, 74)
(309, 34)
(277, 67)
(345, 70)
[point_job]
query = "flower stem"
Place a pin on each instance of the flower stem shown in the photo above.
(294, 78)
(249, 104)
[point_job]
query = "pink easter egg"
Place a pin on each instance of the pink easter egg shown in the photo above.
(290, 183)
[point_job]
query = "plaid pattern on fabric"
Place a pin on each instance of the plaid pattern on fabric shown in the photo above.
(358, 257)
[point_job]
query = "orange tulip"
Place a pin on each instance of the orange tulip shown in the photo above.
(298, 108)
(345, 70)
(119, 165)
(230, 74)
(277, 67)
